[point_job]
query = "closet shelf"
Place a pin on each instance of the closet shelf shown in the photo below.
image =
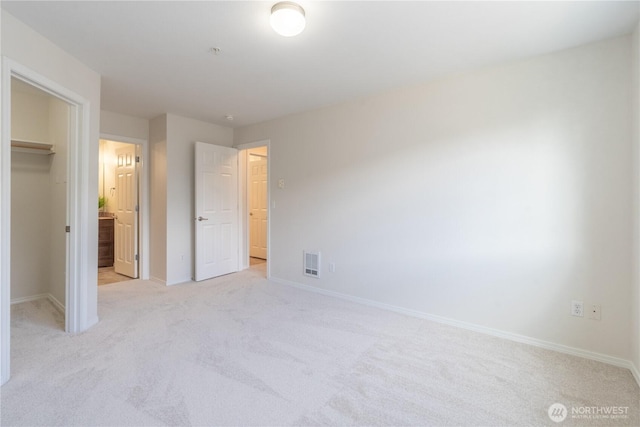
(33, 147)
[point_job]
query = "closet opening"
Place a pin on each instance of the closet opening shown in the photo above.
(40, 133)
(44, 208)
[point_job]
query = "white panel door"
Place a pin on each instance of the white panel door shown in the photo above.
(126, 225)
(216, 209)
(258, 206)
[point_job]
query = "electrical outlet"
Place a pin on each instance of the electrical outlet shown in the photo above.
(594, 312)
(577, 308)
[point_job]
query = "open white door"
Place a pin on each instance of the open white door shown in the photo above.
(126, 228)
(216, 210)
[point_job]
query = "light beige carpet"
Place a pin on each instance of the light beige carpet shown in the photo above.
(239, 350)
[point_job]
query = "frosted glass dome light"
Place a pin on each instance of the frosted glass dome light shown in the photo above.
(287, 18)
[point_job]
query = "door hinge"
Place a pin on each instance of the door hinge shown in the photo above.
(136, 257)
(67, 229)
(136, 208)
(137, 159)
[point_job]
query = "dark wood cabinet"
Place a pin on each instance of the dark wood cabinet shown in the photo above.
(105, 242)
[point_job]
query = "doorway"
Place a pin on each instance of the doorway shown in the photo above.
(80, 311)
(255, 204)
(40, 132)
(257, 189)
(119, 219)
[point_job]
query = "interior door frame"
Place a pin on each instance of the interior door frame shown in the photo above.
(243, 201)
(77, 205)
(142, 171)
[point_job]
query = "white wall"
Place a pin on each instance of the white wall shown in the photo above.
(30, 225)
(182, 133)
(29, 49)
(30, 196)
(493, 197)
(158, 198)
(29, 115)
(123, 125)
(635, 300)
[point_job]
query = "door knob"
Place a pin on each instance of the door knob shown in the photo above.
(250, 213)
(201, 218)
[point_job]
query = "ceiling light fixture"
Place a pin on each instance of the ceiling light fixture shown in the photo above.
(287, 18)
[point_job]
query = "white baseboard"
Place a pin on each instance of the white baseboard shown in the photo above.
(615, 361)
(29, 298)
(57, 304)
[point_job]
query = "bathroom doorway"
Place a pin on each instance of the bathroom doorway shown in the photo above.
(119, 211)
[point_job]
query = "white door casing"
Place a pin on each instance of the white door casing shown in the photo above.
(126, 223)
(216, 210)
(258, 209)
(80, 301)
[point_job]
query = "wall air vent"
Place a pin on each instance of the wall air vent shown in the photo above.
(311, 264)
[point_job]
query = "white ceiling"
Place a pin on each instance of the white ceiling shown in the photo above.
(154, 56)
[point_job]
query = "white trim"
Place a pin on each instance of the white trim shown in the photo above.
(125, 139)
(30, 298)
(5, 224)
(5, 330)
(615, 361)
(75, 255)
(57, 304)
(143, 248)
(243, 210)
(254, 144)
